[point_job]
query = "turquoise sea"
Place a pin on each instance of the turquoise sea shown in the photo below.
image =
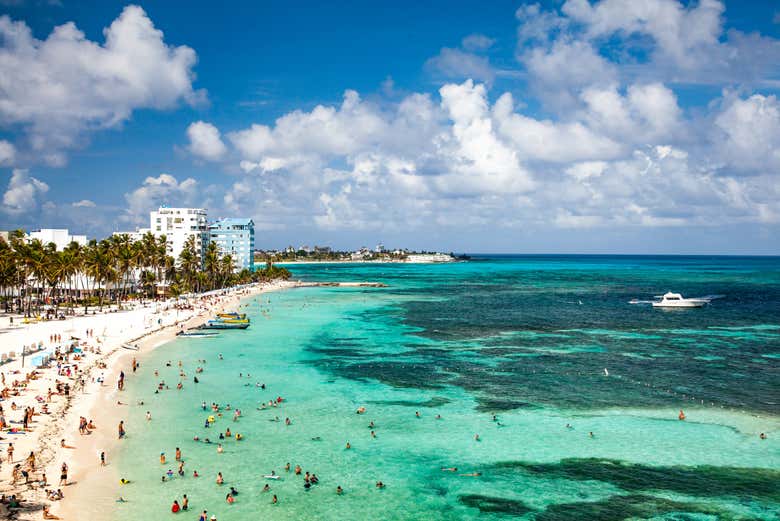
(524, 338)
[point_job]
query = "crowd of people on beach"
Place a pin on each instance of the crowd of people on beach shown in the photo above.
(69, 364)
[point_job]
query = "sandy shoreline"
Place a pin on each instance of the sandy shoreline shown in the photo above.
(92, 490)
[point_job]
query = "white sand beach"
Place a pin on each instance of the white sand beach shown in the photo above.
(53, 437)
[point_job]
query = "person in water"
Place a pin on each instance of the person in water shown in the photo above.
(175, 507)
(681, 416)
(339, 490)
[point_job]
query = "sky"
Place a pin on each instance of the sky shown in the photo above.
(576, 126)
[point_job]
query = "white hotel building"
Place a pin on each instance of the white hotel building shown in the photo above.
(178, 225)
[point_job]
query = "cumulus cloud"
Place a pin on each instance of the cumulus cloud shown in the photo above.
(665, 40)
(205, 141)
(23, 194)
(61, 88)
(84, 203)
(7, 153)
(749, 133)
(156, 191)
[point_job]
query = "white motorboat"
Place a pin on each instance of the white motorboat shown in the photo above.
(675, 300)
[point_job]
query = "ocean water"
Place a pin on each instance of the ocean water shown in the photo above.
(527, 339)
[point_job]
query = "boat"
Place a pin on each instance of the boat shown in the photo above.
(132, 347)
(196, 334)
(675, 300)
(233, 315)
(218, 324)
(232, 320)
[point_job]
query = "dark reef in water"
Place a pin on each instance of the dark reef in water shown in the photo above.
(701, 480)
(618, 508)
(495, 505)
(436, 401)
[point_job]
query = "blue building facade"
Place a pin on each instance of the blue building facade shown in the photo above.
(235, 237)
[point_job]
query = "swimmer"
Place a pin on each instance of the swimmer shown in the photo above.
(287, 467)
(220, 479)
(267, 488)
(148, 416)
(417, 413)
(438, 416)
(449, 469)
(274, 500)
(591, 434)
(349, 446)
(471, 474)
(681, 416)
(379, 484)
(339, 490)
(476, 437)
(762, 436)
(195, 474)
(219, 449)
(233, 491)
(162, 458)
(124, 481)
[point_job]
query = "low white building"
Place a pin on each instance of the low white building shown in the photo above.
(135, 236)
(178, 225)
(59, 236)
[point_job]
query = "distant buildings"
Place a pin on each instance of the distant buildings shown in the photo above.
(235, 237)
(59, 236)
(178, 225)
(135, 236)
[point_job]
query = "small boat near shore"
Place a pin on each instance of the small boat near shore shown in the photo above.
(231, 316)
(219, 324)
(132, 347)
(196, 334)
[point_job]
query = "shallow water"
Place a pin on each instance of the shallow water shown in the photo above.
(527, 338)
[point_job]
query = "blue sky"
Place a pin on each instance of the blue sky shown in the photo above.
(471, 126)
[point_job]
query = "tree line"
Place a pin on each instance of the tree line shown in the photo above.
(112, 269)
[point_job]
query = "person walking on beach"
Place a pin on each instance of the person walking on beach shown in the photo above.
(121, 429)
(103, 459)
(10, 452)
(64, 474)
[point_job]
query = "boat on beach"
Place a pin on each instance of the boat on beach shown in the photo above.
(132, 347)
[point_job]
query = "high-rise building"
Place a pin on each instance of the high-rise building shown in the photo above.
(235, 237)
(178, 225)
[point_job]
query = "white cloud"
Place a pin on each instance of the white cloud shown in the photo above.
(84, 203)
(550, 141)
(559, 72)
(156, 191)
(205, 141)
(23, 194)
(61, 88)
(7, 153)
(327, 131)
(459, 64)
(477, 42)
(749, 137)
(647, 113)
